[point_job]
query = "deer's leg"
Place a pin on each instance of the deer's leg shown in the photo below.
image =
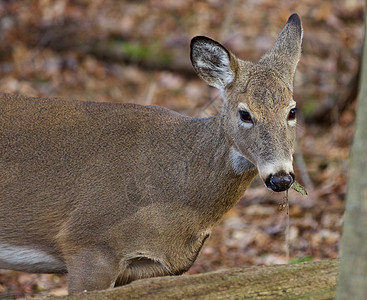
(140, 267)
(91, 269)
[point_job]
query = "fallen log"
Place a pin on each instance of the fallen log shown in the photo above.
(309, 280)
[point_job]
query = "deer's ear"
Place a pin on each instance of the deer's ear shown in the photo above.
(212, 62)
(285, 54)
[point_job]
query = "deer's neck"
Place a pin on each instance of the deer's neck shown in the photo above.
(220, 173)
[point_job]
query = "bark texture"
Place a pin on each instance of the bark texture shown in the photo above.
(353, 265)
(311, 280)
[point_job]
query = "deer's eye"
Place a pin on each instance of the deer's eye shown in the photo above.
(245, 116)
(292, 114)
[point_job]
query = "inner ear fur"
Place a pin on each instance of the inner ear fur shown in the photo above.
(213, 62)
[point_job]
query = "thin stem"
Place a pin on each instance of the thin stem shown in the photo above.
(287, 229)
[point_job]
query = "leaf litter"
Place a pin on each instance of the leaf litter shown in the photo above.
(49, 48)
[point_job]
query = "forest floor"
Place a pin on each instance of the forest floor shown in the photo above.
(138, 51)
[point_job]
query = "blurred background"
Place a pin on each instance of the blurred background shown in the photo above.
(138, 51)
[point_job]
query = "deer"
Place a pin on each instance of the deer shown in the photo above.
(109, 193)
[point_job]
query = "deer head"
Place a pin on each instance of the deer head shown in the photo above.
(259, 113)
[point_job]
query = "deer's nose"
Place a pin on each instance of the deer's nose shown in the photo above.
(279, 182)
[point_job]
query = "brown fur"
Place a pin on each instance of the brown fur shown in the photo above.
(118, 192)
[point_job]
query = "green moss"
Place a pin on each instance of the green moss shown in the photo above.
(137, 52)
(300, 260)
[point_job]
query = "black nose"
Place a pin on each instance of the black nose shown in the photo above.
(280, 182)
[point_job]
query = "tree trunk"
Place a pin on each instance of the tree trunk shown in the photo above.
(311, 280)
(353, 265)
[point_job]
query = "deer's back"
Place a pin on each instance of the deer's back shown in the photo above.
(59, 156)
